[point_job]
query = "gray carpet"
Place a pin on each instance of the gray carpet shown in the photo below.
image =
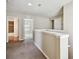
(23, 50)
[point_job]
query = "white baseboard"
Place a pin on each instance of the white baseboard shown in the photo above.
(41, 51)
(21, 39)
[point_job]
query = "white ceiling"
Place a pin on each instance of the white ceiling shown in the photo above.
(48, 8)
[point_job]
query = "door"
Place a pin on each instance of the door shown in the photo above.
(28, 29)
(12, 28)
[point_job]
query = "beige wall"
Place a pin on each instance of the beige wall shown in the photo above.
(68, 25)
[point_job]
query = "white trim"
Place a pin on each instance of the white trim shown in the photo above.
(41, 51)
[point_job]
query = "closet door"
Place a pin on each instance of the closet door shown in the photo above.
(28, 28)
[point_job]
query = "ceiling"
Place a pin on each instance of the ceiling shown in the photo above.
(48, 8)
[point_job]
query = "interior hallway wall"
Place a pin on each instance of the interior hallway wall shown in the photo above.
(39, 21)
(42, 22)
(68, 25)
(58, 23)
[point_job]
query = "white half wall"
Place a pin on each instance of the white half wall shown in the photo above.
(68, 25)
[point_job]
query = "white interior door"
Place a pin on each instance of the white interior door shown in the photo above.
(28, 28)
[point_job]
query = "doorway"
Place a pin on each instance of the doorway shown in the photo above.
(28, 29)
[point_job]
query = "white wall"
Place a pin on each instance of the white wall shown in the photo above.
(65, 1)
(58, 23)
(39, 21)
(68, 25)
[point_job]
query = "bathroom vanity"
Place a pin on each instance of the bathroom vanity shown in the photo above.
(52, 43)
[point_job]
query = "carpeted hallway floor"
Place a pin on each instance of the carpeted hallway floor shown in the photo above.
(23, 50)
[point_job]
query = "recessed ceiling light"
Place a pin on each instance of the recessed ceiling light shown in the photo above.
(39, 5)
(29, 4)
